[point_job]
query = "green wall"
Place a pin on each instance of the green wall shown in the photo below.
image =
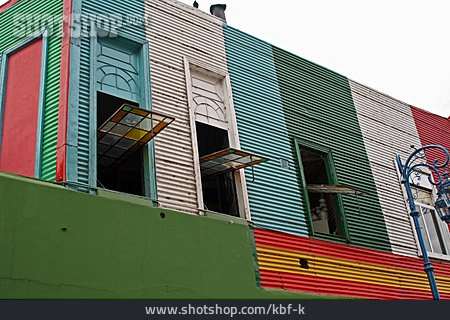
(318, 107)
(8, 25)
(118, 248)
(262, 130)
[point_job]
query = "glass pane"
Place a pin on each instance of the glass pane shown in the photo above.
(232, 157)
(422, 196)
(109, 139)
(136, 134)
(125, 143)
(146, 124)
(424, 233)
(433, 230)
(108, 126)
(120, 130)
(247, 159)
(131, 119)
(102, 148)
(158, 118)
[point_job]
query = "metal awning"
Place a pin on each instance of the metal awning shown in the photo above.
(228, 160)
(126, 131)
(322, 188)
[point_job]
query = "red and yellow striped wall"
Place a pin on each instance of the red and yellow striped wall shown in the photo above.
(336, 269)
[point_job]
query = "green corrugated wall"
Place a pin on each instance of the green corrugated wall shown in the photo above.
(274, 195)
(8, 39)
(318, 107)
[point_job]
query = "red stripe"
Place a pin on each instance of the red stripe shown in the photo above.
(61, 147)
(285, 241)
(8, 5)
(21, 108)
(432, 129)
(327, 286)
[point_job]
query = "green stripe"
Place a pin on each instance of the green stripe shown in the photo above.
(318, 107)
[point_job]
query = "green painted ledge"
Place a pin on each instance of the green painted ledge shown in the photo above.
(57, 243)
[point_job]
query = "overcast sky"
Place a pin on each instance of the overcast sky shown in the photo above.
(399, 47)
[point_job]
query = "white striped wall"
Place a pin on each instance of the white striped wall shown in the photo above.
(174, 31)
(388, 128)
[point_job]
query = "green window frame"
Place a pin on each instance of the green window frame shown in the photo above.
(327, 156)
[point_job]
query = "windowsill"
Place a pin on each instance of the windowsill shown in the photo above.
(436, 256)
(330, 237)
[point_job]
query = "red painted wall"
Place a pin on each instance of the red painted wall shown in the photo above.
(331, 286)
(20, 115)
(432, 129)
(8, 5)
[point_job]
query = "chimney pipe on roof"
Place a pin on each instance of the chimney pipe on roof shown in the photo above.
(218, 10)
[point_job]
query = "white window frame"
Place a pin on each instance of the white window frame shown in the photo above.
(233, 136)
(426, 185)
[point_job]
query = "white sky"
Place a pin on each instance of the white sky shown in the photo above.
(398, 47)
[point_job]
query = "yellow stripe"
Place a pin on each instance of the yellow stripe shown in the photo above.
(340, 269)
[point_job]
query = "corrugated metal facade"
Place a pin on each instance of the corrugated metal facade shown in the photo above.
(8, 38)
(432, 129)
(303, 264)
(176, 31)
(79, 113)
(318, 107)
(274, 195)
(388, 128)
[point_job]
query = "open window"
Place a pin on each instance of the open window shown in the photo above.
(322, 193)
(219, 190)
(123, 130)
(127, 177)
(218, 160)
(434, 230)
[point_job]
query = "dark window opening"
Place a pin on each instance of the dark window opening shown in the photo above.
(219, 191)
(323, 206)
(127, 177)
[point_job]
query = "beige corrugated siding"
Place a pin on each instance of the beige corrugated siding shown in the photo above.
(174, 31)
(388, 128)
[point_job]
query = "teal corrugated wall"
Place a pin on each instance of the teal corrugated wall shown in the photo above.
(318, 107)
(79, 158)
(8, 39)
(274, 195)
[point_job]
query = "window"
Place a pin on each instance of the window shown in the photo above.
(127, 177)
(123, 130)
(433, 229)
(323, 203)
(220, 184)
(219, 191)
